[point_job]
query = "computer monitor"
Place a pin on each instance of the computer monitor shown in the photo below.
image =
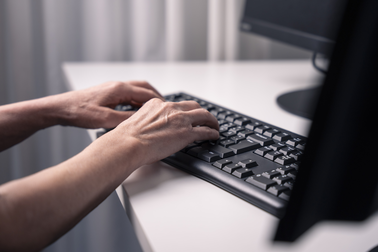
(338, 176)
(310, 24)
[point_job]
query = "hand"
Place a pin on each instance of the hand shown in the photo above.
(94, 107)
(162, 128)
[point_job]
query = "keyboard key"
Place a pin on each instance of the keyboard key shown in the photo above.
(221, 122)
(209, 156)
(289, 185)
(297, 155)
(222, 129)
(261, 182)
(227, 143)
(295, 141)
(270, 133)
(222, 163)
(263, 150)
(284, 160)
(262, 140)
(217, 111)
(247, 163)
(189, 146)
(245, 133)
(229, 134)
(221, 151)
(295, 165)
(237, 129)
(282, 179)
(273, 155)
(285, 195)
(292, 174)
(253, 125)
(243, 172)
(262, 129)
(271, 174)
(244, 146)
(232, 118)
(242, 121)
(237, 138)
(195, 151)
(301, 146)
(229, 125)
(285, 169)
(124, 108)
(287, 150)
(277, 189)
(208, 107)
(277, 146)
(216, 142)
(230, 168)
(224, 114)
(199, 142)
(282, 137)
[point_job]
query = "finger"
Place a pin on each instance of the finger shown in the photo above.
(205, 133)
(145, 84)
(140, 95)
(203, 117)
(186, 105)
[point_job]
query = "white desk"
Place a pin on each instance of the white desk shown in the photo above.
(174, 211)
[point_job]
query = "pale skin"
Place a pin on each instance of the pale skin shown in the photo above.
(38, 209)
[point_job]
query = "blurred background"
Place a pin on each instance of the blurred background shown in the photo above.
(37, 36)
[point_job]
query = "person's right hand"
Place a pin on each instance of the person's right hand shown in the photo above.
(160, 129)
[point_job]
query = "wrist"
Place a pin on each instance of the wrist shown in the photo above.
(49, 110)
(120, 152)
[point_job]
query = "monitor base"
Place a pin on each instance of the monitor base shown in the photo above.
(301, 103)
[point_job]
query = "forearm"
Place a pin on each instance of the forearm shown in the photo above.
(38, 209)
(88, 108)
(20, 120)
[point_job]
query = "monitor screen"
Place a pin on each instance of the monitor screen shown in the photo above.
(310, 24)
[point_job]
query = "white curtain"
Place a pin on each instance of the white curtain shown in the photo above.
(37, 36)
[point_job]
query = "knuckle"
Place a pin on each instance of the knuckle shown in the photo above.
(155, 101)
(142, 83)
(117, 85)
(195, 104)
(169, 105)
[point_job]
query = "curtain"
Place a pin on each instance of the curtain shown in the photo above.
(37, 36)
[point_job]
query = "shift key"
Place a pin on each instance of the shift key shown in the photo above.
(244, 146)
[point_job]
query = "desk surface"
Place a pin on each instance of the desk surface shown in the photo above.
(174, 211)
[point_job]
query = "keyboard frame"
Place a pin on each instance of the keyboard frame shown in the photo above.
(228, 182)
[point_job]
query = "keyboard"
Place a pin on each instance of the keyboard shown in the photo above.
(252, 160)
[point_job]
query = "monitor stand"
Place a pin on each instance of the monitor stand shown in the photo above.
(301, 103)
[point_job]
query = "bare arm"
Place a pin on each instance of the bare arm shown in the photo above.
(88, 108)
(36, 210)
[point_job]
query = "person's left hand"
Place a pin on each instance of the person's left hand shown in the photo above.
(94, 107)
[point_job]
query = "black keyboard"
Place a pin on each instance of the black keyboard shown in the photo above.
(253, 160)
